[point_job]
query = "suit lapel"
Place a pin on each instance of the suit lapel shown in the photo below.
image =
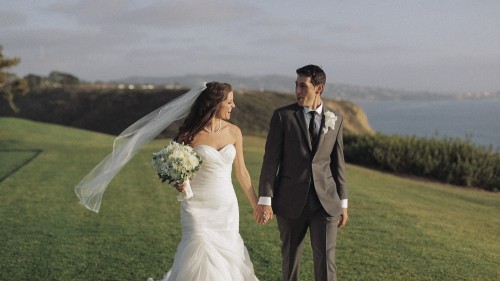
(299, 115)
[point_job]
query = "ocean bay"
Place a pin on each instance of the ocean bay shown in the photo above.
(475, 120)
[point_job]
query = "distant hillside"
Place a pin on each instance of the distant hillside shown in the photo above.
(112, 111)
(285, 84)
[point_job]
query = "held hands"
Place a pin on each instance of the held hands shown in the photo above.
(263, 214)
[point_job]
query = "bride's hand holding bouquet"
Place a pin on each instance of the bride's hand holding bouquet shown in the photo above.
(177, 163)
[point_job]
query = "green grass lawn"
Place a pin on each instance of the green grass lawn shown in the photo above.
(399, 229)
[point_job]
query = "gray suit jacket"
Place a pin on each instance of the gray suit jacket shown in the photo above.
(290, 164)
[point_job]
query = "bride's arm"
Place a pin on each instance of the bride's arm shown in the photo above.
(241, 171)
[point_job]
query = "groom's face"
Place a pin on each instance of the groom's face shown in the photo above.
(307, 94)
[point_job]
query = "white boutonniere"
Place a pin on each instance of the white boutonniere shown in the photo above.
(330, 119)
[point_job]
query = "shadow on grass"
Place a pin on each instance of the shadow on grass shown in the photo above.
(18, 159)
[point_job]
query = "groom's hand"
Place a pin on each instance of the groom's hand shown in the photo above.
(343, 218)
(265, 214)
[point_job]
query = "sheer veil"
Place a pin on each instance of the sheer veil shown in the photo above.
(91, 188)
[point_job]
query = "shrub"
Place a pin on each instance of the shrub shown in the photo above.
(449, 160)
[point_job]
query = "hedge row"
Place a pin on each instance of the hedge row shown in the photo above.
(450, 160)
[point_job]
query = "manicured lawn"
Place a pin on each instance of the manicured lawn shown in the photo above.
(399, 229)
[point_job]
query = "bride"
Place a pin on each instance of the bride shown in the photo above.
(211, 247)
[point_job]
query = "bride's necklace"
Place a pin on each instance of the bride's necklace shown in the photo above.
(216, 131)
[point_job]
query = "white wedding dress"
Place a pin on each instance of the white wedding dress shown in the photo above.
(211, 247)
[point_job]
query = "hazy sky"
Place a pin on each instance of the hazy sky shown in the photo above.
(436, 45)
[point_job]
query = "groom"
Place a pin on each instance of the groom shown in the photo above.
(303, 177)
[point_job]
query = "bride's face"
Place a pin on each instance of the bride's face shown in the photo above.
(226, 107)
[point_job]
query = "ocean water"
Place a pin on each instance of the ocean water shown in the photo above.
(475, 120)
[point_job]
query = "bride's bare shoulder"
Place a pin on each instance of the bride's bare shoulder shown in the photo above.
(233, 129)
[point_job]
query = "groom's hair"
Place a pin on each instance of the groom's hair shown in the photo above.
(317, 74)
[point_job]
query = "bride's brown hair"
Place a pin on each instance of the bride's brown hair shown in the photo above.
(202, 111)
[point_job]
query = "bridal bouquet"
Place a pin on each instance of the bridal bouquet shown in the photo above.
(177, 163)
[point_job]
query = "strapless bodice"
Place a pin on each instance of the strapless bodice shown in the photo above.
(216, 166)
